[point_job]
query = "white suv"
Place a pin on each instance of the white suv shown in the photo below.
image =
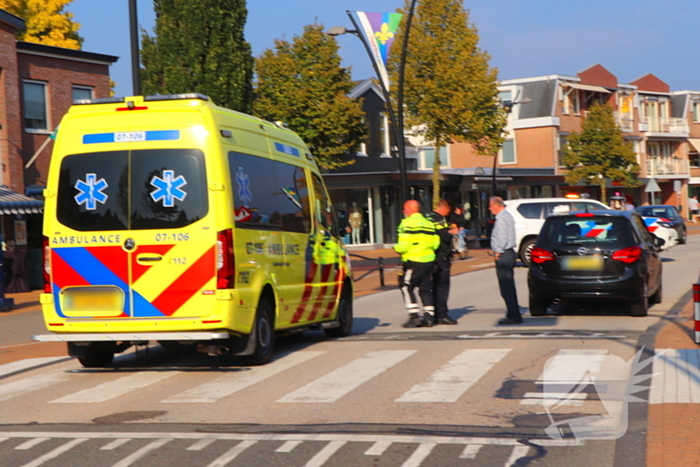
(529, 215)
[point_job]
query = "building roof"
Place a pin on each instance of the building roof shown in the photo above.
(541, 95)
(12, 20)
(61, 52)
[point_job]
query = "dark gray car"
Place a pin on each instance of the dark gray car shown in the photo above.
(669, 218)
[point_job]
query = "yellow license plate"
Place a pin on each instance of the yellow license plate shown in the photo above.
(93, 299)
(582, 263)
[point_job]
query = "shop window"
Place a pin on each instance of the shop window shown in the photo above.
(35, 106)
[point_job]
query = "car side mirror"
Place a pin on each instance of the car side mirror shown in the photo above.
(659, 242)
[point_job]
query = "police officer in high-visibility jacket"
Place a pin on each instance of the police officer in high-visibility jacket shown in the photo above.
(417, 244)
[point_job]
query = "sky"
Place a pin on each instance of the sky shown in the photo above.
(524, 38)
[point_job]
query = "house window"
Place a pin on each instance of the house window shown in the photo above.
(427, 158)
(82, 92)
(384, 136)
(572, 102)
(35, 111)
(662, 149)
(694, 159)
(563, 144)
(696, 111)
(508, 152)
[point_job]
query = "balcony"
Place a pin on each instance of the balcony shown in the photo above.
(666, 167)
(624, 120)
(665, 125)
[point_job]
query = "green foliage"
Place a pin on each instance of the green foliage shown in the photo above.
(450, 91)
(46, 22)
(600, 152)
(303, 85)
(199, 47)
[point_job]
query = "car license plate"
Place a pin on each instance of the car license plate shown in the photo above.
(582, 263)
(93, 299)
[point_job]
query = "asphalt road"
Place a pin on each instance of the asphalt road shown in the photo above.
(474, 394)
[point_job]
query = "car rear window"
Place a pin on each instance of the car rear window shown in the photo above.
(587, 231)
(120, 190)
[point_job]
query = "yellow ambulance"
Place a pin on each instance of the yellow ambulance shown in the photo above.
(169, 219)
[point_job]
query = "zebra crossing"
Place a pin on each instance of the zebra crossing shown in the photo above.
(135, 446)
(447, 384)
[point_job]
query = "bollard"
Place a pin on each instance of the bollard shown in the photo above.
(696, 311)
(381, 271)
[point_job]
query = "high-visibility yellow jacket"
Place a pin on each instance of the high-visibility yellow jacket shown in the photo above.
(418, 239)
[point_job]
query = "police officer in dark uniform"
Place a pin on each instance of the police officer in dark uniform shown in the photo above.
(443, 261)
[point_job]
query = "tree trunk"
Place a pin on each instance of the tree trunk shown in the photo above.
(436, 174)
(603, 192)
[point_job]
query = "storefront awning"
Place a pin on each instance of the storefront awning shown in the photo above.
(587, 87)
(15, 203)
(695, 143)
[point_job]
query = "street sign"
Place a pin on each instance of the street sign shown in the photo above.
(652, 186)
(677, 186)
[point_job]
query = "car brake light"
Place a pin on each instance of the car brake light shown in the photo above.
(47, 264)
(540, 255)
(225, 260)
(627, 255)
(585, 214)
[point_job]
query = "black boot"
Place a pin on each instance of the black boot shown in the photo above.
(414, 321)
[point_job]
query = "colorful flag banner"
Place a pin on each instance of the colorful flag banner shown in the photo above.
(380, 30)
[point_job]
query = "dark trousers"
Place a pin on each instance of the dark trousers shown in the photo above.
(441, 291)
(506, 283)
(417, 275)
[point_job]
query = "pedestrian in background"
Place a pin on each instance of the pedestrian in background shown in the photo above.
(693, 207)
(443, 260)
(417, 244)
(503, 246)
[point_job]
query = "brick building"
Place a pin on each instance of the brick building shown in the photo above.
(37, 86)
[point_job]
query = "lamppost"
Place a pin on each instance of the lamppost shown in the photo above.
(396, 121)
(135, 67)
(508, 107)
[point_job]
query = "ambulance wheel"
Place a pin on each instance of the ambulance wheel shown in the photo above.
(264, 335)
(96, 357)
(344, 317)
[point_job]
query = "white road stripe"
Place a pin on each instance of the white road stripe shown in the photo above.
(656, 393)
(3, 439)
(337, 383)
(455, 378)
(201, 444)
(324, 454)
(33, 383)
(682, 379)
(231, 454)
(13, 367)
(378, 448)
(55, 453)
(231, 383)
(694, 374)
(676, 377)
(31, 443)
(670, 376)
(115, 444)
(288, 446)
(518, 453)
(127, 461)
(419, 455)
(119, 387)
(470, 451)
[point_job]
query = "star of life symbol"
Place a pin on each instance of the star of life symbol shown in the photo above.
(569, 380)
(168, 188)
(243, 183)
(91, 191)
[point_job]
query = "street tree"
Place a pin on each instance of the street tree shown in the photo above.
(198, 46)
(450, 91)
(302, 84)
(46, 22)
(599, 152)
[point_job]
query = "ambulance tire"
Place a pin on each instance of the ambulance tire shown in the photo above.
(96, 357)
(264, 335)
(344, 316)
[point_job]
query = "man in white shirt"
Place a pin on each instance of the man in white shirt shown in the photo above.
(503, 246)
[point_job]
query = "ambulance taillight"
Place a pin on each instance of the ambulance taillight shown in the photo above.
(225, 260)
(47, 264)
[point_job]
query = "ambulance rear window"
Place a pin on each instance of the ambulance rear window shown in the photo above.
(120, 190)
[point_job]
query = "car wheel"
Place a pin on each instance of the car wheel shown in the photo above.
(684, 237)
(640, 307)
(264, 335)
(658, 295)
(96, 357)
(344, 317)
(526, 251)
(537, 308)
